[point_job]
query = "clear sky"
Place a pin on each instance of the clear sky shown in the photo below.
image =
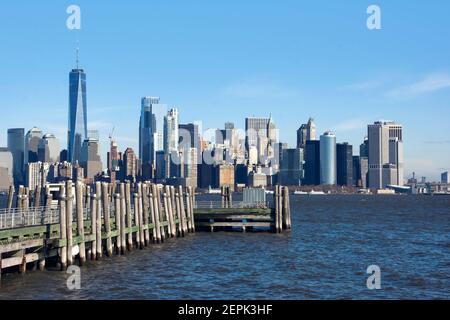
(223, 60)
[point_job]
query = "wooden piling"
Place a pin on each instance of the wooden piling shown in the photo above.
(69, 221)
(10, 197)
(172, 229)
(182, 210)
(192, 206)
(188, 210)
(145, 213)
(62, 228)
(129, 217)
(107, 217)
(98, 224)
(156, 213)
(123, 210)
(94, 226)
(160, 213)
(117, 215)
(79, 202)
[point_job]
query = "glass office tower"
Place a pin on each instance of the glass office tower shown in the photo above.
(328, 159)
(77, 132)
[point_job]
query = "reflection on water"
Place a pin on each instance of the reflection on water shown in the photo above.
(334, 240)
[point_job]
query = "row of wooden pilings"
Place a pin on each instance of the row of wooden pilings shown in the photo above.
(282, 209)
(25, 198)
(148, 214)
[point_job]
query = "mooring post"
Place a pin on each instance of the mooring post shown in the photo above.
(161, 214)
(94, 226)
(141, 216)
(156, 211)
(192, 199)
(123, 210)
(10, 198)
(280, 214)
(182, 210)
(107, 217)
(87, 206)
(62, 228)
(166, 213)
(144, 199)
(178, 213)
(277, 208)
(188, 209)
(98, 224)
(69, 222)
(136, 219)
(286, 209)
(80, 220)
(129, 218)
(174, 209)
(169, 209)
(117, 215)
(151, 201)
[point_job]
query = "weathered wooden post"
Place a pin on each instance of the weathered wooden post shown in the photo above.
(98, 224)
(145, 213)
(286, 208)
(160, 213)
(192, 199)
(94, 226)
(188, 209)
(155, 233)
(80, 220)
(137, 219)
(157, 222)
(141, 216)
(129, 218)
(182, 208)
(277, 208)
(280, 207)
(62, 228)
(175, 216)
(123, 210)
(107, 217)
(118, 214)
(10, 198)
(69, 221)
(166, 213)
(178, 203)
(168, 203)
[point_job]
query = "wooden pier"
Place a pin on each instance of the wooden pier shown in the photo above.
(79, 223)
(227, 216)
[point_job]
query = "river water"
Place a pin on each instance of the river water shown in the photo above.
(333, 241)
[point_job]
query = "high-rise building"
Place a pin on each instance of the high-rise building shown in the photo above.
(255, 128)
(6, 168)
(344, 160)
(307, 132)
(385, 140)
(171, 136)
(77, 131)
(312, 163)
(16, 145)
(90, 159)
(364, 167)
(129, 165)
(364, 148)
(444, 177)
(291, 168)
(262, 134)
(32, 142)
(49, 149)
(328, 159)
(356, 171)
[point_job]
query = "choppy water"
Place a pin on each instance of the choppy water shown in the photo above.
(334, 240)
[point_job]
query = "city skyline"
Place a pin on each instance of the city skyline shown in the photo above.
(414, 96)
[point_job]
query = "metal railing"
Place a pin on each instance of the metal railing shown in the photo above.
(234, 205)
(16, 218)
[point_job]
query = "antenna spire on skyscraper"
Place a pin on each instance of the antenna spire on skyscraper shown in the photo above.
(78, 54)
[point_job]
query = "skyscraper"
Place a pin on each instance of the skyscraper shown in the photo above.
(90, 159)
(151, 132)
(49, 149)
(262, 134)
(307, 132)
(328, 158)
(312, 163)
(171, 131)
(291, 168)
(344, 159)
(16, 145)
(32, 142)
(77, 131)
(6, 168)
(385, 154)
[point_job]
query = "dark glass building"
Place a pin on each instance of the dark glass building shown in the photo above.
(77, 132)
(312, 163)
(344, 157)
(16, 145)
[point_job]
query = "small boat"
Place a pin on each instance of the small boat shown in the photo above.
(270, 192)
(317, 193)
(301, 193)
(213, 191)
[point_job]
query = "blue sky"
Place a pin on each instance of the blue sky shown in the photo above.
(225, 60)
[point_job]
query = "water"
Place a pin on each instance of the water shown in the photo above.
(334, 240)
